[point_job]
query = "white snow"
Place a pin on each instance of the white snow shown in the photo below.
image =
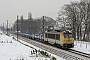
(82, 46)
(14, 50)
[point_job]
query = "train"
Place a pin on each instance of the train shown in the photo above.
(63, 39)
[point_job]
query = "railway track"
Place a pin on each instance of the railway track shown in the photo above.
(79, 53)
(66, 54)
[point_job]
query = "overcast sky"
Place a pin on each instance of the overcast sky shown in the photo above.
(10, 8)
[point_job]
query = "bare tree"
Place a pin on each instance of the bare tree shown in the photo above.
(78, 16)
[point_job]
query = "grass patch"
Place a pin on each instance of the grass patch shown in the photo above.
(7, 34)
(0, 33)
(13, 38)
(44, 53)
(26, 44)
(53, 58)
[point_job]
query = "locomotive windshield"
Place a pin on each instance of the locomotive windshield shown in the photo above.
(67, 35)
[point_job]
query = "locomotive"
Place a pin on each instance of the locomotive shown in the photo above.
(63, 39)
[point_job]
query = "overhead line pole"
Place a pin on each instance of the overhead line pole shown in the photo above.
(43, 27)
(17, 27)
(7, 27)
(3, 27)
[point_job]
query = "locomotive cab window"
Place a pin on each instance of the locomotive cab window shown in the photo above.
(68, 35)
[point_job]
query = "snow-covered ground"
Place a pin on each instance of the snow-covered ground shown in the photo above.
(82, 46)
(14, 50)
(10, 49)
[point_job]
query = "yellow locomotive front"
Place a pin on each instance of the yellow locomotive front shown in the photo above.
(67, 39)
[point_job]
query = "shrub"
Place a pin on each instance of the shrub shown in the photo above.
(53, 58)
